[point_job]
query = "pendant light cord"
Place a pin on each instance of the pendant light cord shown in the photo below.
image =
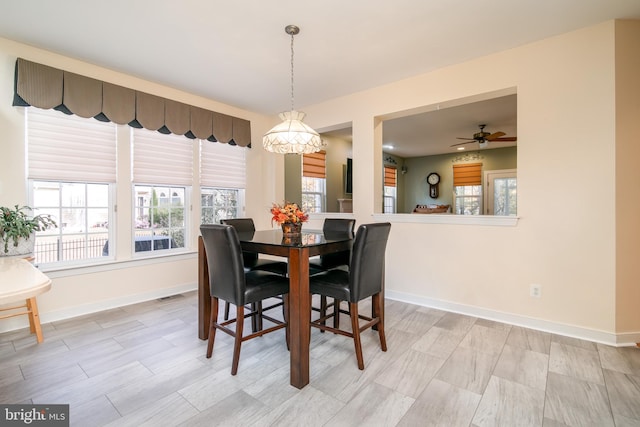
(292, 71)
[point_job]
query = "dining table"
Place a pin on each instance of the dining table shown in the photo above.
(297, 249)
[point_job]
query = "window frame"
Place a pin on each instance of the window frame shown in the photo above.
(390, 185)
(314, 174)
(75, 163)
(152, 251)
(478, 197)
(58, 232)
(240, 206)
(320, 195)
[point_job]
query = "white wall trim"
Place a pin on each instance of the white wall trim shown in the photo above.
(82, 310)
(628, 339)
(55, 272)
(617, 340)
(498, 221)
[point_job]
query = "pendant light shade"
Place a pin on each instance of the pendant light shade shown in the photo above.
(292, 136)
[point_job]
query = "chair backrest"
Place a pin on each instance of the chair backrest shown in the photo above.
(337, 226)
(224, 259)
(243, 225)
(366, 271)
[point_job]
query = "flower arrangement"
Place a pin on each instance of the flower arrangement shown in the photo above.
(288, 213)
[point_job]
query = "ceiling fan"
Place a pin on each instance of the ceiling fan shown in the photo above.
(483, 137)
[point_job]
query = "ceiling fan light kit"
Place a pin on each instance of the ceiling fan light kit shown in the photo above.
(483, 138)
(292, 136)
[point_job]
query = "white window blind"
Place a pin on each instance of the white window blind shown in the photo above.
(162, 159)
(69, 148)
(222, 165)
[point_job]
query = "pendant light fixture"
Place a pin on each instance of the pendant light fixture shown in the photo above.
(292, 136)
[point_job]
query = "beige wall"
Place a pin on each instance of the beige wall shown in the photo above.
(627, 204)
(338, 150)
(563, 240)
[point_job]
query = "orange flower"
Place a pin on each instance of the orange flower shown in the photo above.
(287, 213)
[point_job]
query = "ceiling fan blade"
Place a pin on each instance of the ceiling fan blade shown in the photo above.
(494, 136)
(508, 138)
(467, 139)
(463, 143)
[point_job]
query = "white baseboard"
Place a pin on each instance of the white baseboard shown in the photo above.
(628, 339)
(618, 340)
(68, 313)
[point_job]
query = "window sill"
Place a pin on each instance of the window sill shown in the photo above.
(109, 265)
(486, 220)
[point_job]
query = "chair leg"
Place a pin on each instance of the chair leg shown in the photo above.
(226, 310)
(212, 326)
(336, 310)
(285, 309)
(355, 326)
(254, 319)
(377, 303)
(238, 338)
(323, 310)
(259, 317)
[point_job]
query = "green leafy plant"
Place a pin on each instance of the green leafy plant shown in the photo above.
(15, 223)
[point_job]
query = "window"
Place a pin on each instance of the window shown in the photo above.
(71, 171)
(389, 202)
(162, 173)
(222, 180)
(314, 182)
(72, 175)
(468, 199)
(160, 222)
(220, 203)
(467, 188)
(501, 192)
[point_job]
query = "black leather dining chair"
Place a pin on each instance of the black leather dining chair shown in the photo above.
(252, 261)
(229, 281)
(326, 262)
(330, 261)
(365, 278)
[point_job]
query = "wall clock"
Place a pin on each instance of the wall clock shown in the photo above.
(433, 179)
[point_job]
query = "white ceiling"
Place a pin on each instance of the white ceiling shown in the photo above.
(435, 132)
(237, 52)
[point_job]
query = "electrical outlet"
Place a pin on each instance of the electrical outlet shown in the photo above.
(535, 290)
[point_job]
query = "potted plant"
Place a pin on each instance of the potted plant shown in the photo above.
(17, 229)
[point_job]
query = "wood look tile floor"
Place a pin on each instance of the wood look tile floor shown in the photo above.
(144, 365)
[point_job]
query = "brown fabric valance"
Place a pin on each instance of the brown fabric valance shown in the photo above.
(47, 87)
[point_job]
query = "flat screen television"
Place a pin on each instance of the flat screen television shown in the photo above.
(348, 177)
